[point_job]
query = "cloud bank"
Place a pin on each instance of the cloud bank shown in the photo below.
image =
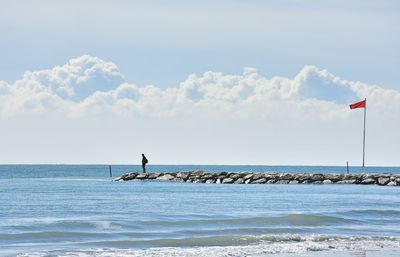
(88, 85)
(211, 111)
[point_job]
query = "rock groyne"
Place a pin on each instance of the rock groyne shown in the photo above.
(383, 179)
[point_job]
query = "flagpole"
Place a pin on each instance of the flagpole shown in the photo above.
(365, 115)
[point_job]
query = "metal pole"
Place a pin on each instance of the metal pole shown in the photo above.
(347, 167)
(109, 167)
(365, 115)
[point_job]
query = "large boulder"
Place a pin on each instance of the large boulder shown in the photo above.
(258, 176)
(347, 181)
(368, 181)
(334, 177)
(154, 175)
(228, 181)
(182, 175)
(302, 177)
(197, 173)
(235, 175)
(142, 176)
(129, 176)
(317, 177)
(286, 176)
(209, 176)
(248, 176)
(383, 180)
(239, 181)
(259, 181)
(282, 181)
(166, 177)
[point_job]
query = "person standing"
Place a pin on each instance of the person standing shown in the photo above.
(144, 162)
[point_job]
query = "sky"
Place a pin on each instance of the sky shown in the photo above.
(199, 82)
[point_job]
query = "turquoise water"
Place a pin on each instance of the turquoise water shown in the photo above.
(60, 210)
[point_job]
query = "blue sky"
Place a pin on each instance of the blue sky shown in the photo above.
(199, 82)
(159, 42)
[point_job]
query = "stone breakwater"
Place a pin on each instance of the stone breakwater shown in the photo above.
(384, 179)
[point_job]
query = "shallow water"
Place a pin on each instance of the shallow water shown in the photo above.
(62, 210)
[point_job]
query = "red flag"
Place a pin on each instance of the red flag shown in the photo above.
(360, 104)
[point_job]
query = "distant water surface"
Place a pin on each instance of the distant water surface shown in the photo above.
(64, 210)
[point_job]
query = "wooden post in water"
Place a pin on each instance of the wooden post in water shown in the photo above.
(347, 167)
(109, 167)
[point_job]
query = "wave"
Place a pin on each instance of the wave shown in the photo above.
(291, 219)
(373, 212)
(251, 246)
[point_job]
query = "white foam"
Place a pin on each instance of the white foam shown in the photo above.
(306, 244)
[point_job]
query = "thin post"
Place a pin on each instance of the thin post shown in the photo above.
(365, 115)
(109, 167)
(347, 167)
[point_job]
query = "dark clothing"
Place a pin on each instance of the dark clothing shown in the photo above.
(144, 162)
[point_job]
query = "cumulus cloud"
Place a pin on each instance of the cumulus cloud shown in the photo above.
(88, 85)
(246, 117)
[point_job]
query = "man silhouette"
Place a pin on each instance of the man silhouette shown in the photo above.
(144, 162)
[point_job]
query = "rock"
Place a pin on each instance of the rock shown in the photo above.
(383, 180)
(259, 181)
(350, 177)
(365, 176)
(269, 176)
(282, 181)
(248, 176)
(258, 176)
(228, 181)
(334, 177)
(368, 181)
(239, 181)
(286, 176)
(266, 178)
(142, 176)
(302, 177)
(166, 177)
(317, 177)
(183, 175)
(235, 176)
(348, 181)
(208, 176)
(130, 176)
(197, 173)
(154, 175)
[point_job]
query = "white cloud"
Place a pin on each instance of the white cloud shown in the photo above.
(88, 85)
(297, 117)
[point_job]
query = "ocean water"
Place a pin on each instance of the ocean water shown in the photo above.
(77, 210)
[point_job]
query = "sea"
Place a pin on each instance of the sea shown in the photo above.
(78, 210)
